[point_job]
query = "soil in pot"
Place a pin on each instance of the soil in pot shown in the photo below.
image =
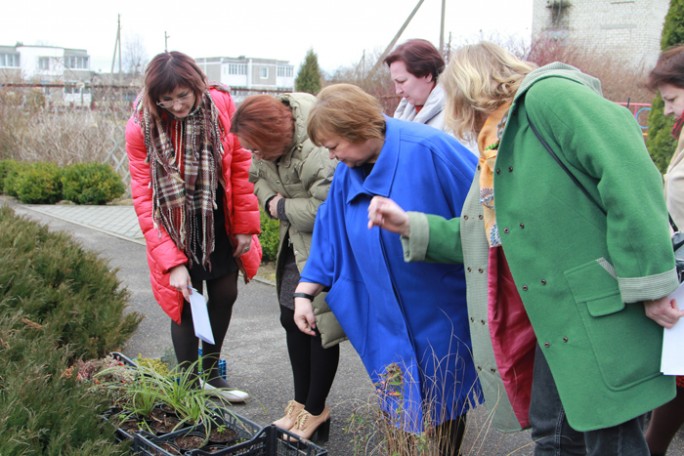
(223, 435)
(190, 441)
(162, 420)
(169, 447)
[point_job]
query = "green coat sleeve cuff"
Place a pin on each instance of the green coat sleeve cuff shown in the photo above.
(415, 246)
(637, 289)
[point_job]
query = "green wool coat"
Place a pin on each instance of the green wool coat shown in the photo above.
(303, 176)
(581, 274)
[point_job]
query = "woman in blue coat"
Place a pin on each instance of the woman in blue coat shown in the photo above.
(407, 321)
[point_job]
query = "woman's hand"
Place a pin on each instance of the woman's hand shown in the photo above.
(179, 278)
(304, 316)
(243, 244)
(387, 214)
(273, 205)
(663, 311)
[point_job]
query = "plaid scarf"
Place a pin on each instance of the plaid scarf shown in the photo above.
(677, 127)
(184, 187)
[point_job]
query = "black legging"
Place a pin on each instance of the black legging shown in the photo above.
(313, 367)
(222, 293)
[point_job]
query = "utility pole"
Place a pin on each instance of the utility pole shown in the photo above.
(441, 28)
(394, 40)
(117, 46)
(166, 41)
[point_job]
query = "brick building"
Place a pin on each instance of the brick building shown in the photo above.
(628, 30)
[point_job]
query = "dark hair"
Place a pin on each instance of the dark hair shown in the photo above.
(420, 57)
(263, 121)
(169, 70)
(668, 70)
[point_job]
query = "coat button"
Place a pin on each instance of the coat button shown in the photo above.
(479, 368)
(524, 287)
(506, 230)
(469, 269)
(547, 344)
(465, 217)
(482, 321)
(510, 169)
(480, 270)
(492, 370)
(478, 167)
(498, 170)
(472, 319)
(522, 226)
(480, 217)
(543, 281)
(565, 339)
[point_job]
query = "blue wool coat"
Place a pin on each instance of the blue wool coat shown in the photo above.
(407, 321)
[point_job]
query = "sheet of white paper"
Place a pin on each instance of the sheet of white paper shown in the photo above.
(672, 360)
(200, 317)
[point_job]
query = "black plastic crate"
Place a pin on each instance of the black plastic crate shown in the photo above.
(145, 443)
(270, 441)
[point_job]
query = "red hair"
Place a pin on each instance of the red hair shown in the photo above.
(263, 121)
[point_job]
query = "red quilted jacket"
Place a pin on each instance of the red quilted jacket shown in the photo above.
(241, 206)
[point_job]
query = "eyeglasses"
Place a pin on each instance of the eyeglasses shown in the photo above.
(168, 104)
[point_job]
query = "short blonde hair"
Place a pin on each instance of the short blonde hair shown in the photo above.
(480, 78)
(345, 110)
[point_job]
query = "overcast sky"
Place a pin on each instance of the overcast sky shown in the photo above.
(338, 31)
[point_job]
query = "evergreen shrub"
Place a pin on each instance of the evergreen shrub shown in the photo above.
(13, 170)
(38, 183)
(269, 237)
(91, 183)
(58, 303)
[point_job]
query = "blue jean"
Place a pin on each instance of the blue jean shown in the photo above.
(553, 436)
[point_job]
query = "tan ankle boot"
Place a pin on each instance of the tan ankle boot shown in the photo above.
(313, 427)
(292, 409)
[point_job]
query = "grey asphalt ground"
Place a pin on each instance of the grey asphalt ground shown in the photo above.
(254, 348)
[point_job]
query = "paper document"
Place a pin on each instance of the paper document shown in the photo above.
(200, 317)
(672, 360)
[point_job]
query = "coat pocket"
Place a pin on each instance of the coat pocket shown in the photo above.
(624, 343)
(350, 304)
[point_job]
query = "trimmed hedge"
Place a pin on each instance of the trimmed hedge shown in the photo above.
(58, 303)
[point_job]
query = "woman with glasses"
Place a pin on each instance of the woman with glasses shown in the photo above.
(195, 204)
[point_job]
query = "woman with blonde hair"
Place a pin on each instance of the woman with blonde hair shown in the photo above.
(407, 322)
(566, 225)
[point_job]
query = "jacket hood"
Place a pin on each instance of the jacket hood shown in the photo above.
(558, 70)
(301, 104)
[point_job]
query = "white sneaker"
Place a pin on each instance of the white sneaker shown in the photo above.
(233, 395)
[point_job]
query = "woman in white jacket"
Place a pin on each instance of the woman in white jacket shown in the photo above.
(415, 67)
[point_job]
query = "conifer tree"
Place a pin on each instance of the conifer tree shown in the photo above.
(660, 142)
(309, 75)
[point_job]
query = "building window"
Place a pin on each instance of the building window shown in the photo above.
(44, 63)
(285, 71)
(76, 62)
(9, 60)
(263, 72)
(237, 68)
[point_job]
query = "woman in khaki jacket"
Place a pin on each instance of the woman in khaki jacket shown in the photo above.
(291, 179)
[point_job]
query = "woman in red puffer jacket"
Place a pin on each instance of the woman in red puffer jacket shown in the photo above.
(195, 205)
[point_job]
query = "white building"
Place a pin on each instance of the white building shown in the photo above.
(628, 30)
(246, 75)
(63, 73)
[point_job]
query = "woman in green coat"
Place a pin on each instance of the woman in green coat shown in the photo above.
(291, 179)
(567, 281)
